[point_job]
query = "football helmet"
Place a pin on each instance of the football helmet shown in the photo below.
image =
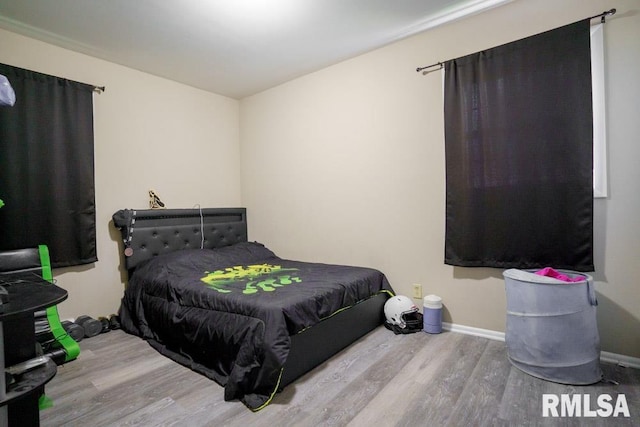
(399, 309)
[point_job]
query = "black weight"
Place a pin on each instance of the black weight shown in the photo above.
(104, 323)
(58, 355)
(92, 327)
(74, 330)
(114, 321)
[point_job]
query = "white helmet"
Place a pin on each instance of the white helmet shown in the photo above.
(396, 308)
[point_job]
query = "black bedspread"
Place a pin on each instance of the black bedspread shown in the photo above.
(229, 313)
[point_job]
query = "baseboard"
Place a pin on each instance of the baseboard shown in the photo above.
(620, 359)
(605, 356)
(470, 330)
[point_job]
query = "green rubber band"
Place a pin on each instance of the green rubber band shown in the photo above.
(45, 262)
(72, 349)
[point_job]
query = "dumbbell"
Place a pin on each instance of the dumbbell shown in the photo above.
(73, 329)
(92, 327)
(104, 324)
(114, 321)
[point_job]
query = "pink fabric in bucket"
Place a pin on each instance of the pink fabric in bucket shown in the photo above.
(550, 272)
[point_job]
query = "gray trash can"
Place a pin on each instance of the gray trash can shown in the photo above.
(551, 327)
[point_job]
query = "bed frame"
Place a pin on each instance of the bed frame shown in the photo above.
(151, 232)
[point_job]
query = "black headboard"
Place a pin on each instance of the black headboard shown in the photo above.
(150, 232)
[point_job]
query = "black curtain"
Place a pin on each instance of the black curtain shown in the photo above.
(47, 167)
(519, 154)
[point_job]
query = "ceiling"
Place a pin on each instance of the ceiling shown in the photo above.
(234, 48)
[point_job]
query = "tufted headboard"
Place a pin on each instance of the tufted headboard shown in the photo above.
(150, 232)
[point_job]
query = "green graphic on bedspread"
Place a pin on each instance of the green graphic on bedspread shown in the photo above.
(263, 277)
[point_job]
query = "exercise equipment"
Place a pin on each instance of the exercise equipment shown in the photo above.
(104, 323)
(114, 321)
(91, 326)
(76, 331)
(52, 337)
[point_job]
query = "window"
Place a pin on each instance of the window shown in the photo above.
(46, 167)
(519, 153)
(600, 183)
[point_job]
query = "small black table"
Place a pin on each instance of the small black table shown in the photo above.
(27, 293)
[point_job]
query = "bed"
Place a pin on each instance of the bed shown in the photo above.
(203, 295)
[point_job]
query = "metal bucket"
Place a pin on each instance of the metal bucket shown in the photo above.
(551, 327)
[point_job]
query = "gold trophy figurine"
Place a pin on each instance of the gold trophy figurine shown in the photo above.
(154, 200)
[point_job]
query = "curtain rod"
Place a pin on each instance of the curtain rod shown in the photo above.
(602, 17)
(99, 89)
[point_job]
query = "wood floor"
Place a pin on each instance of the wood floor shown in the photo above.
(449, 379)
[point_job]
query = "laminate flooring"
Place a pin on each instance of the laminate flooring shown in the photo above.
(449, 379)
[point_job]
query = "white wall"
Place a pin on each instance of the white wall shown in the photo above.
(346, 165)
(149, 133)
